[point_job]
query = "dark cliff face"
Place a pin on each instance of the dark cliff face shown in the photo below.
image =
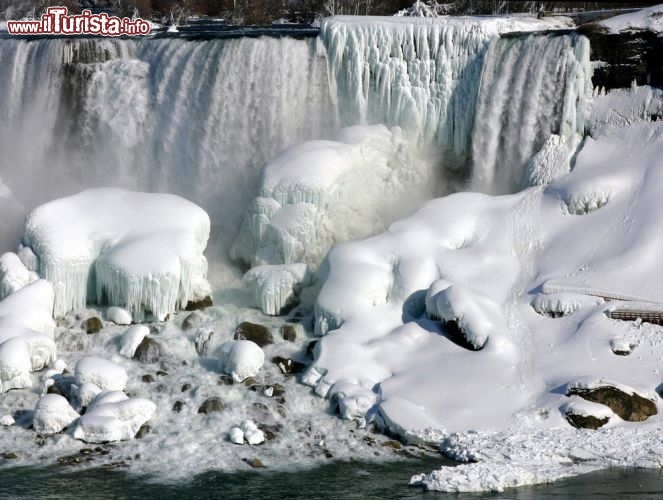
(626, 57)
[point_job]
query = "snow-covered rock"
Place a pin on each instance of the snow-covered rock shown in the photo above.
(112, 416)
(132, 338)
(237, 435)
(118, 315)
(241, 359)
(15, 364)
(141, 251)
(101, 372)
(13, 274)
(276, 286)
(7, 421)
(85, 394)
(52, 414)
(252, 434)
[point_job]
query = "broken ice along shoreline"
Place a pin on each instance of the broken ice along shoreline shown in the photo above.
(481, 325)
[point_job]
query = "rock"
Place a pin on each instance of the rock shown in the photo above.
(585, 421)
(393, 444)
(630, 407)
(186, 387)
(143, 431)
(7, 421)
(162, 373)
(119, 316)
(241, 359)
(58, 387)
(249, 382)
(53, 414)
(92, 325)
(71, 340)
(198, 305)
(310, 348)
(289, 332)
(256, 463)
(193, 320)
(225, 380)
(212, 405)
(237, 435)
(255, 333)
(288, 366)
(177, 406)
(9, 455)
(148, 379)
(148, 351)
(273, 390)
(621, 347)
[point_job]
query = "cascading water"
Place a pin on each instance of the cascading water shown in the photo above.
(200, 118)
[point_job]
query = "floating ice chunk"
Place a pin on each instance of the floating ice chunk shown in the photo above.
(141, 251)
(15, 364)
(101, 372)
(241, 359)
(112, 416)
(237, 435)
(7, 421)
(276, 286)
(52, 414)
(13, 274)
(118, 315)
(132, 338)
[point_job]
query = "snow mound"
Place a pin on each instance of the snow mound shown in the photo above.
(141, 251)
(132, 338)
(276, 286)
(317, 193)
(556, 305)
(241, 359)
(112, 416)
(52, 414)
(118, 315)
(15, 364)
(101, 372)
(650, 18)
(13, 274)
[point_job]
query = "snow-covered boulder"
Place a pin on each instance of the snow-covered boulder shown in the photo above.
(101, 372)
(236, 435)
(112, 416)
(241, 359)
(252, 434)
(276, 286)
(30, 307)
(13, 274)
(131, 339)
(52, 414)
(141, 251)
(85, 394)
(15, 364)
(118, 315)
(317, 193)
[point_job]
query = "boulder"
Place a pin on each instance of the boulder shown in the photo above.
(288, 366)
(255, 333)
(622, 400)
(92, 325)
(148, 351)
(212, 405)
(198, 305)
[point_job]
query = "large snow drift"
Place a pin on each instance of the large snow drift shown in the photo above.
(141, 251)
(650, 18)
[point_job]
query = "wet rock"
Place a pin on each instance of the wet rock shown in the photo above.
(631, 407)
(288, 366)
(148, 351)
(212, 405)
(256, 333)
(9, 455)
(310, 347)
(92, 325)
(393, 444)
(329, 455)
(143, 431)
(193, 320)
(580, 421)
(148, 379)
(256, 463)
(249, 382)
(177, 406)
(162, 373)
(289, 332)
(86, 451)
(199, 305)
(225, 380)
(71, 340)
(186, 387)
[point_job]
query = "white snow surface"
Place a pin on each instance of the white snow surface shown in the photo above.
(564, 246)
(241, 359)
(141, 251)
(101, 372)
(650, 18)
(118, 315)
(52, 414)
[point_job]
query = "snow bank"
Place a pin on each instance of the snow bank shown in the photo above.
(321, 192)
(52, 414)
(241, 359)
(531, 275)
(274, 287)
(99, 371)
(650, 18)
(141, 251)
(112, 416)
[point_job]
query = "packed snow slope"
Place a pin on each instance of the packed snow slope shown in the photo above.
(650, 18)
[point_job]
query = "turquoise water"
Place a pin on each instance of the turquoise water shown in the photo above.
(338, 480)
